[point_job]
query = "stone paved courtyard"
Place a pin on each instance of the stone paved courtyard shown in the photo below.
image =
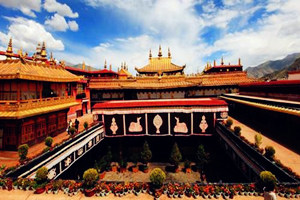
(140, 176)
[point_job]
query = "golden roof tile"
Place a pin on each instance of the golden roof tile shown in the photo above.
(160, 64)
(30, 70)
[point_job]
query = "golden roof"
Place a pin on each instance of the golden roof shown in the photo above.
(160, 65)
(36, 71)
(28, 108)
(124, 72)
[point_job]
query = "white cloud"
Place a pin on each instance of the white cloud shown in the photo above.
(25, 6)
(61, 9)
(73, 25)
(57, 23)
(27, 33)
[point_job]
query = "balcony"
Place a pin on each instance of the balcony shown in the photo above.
(34, 103)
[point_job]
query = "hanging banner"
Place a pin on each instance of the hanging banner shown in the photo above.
(203, 123)
(135, 124)
(113, 125)
(158, 124)
(180, 123)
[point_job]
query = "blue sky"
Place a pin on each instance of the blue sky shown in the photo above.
(197, 31)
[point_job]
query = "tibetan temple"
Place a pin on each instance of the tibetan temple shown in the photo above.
(37, 95)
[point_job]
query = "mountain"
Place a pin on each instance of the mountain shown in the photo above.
(271, 66)
(79, 66)
(283, 73)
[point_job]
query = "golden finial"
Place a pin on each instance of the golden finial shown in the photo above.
(43, 51)
(121, 65)
(83, 65)
(214, 63)
(159, 51)
(20, 52)
(125, 67)
(38, 50)
(169, 53)
(9, 46)
(110, 67)
(240, 62)
(150, 54)
(105, 66)
(222, 63)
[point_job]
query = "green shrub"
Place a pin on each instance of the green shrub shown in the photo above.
(258, 140)
(269, 152)
(268, 180)
(175, 156)
(202, 157)
(90, 177)
(229, 122)
(134, 158)
(157, 177)
(72, 130)
(41, 175)
(146, 153)
(85, 125)
(48, 141)
(237, 130)
(23, 151)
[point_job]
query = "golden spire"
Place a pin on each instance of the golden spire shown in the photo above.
(105, 66)
(240, 62)
(20, 52)
(83, 65)
(159, 51)
(9, 47)
(125, 67)
(222, 63)
(110, 67)
(150, 54)
(214, 63)
(169, 53)
(121, 65)
(43, 51)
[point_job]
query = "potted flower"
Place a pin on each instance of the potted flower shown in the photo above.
(123, 165)
(41, 180)
(114, 167)
(134, 159)
(187, 166)
(90, 177)
(188, 190)
(137, 188)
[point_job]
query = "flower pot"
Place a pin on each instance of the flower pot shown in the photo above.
(135, 169)
(114, 168)
(89, 192)
(188, 170)
(122, 170)
(40, 190)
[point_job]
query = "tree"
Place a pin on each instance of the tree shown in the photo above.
(157, 177)
(237, 130)
(269, 152)
(267, 180)
(146, 153)
(229, 122)
(202, 157)
(175, 156)
(41, 175)
(258, 140)
(90, 177)
(23, 151)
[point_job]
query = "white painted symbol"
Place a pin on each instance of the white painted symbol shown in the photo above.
(113, 126)
(136, 126)
(51, 173)
(180, 127)
(157, 122)
(80, 151)
(203, 124)
(68, 161)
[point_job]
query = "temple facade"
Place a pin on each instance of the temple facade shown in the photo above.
(161, 79)
(35, 97)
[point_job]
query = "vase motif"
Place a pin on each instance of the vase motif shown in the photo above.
(113, 126)
(203, 124)
(157, 122)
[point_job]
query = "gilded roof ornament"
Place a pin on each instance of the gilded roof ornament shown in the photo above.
(159, 51)
(110, 68)
(150, 54)
(169, 53)
(105, 65)
(43, 51)
(9, 46)
(83, 65)
(222, 63)
(240, 62)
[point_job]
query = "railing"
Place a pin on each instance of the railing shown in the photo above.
(259, 159)
(34, 103)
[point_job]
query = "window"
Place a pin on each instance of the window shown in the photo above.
(27, 133)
